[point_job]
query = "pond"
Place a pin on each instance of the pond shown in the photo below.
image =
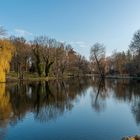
(72, 109)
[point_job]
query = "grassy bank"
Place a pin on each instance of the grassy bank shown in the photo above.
(13, 77)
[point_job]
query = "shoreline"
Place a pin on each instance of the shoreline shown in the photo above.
(119, 77)
(31, 77)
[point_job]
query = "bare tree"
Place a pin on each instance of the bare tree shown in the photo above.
(135, 48)
(20, 60)
(42, 47)
(135, 43)
(97, 53)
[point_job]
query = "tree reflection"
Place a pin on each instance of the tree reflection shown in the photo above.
(122, 90)
(129, 91)
(98, 95)
(5, 106)
(47, 100)
(136, 109)
(50, 100)
(5, 110)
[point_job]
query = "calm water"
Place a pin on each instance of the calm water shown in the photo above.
(74, 109)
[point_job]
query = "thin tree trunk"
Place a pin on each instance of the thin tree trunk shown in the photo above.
(101, 74)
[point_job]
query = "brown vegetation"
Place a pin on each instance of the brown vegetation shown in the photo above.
(46, 57)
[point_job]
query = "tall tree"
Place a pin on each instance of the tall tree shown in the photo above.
(135, 43)
(135, 47)
(6, 53)
(119, 62)
(42, 47)
(97, 53)
(20, 61)
(38, 59)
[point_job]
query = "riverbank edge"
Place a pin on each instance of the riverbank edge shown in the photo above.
(49, 78)
(118, 77)
(16, 79)
(32, 77)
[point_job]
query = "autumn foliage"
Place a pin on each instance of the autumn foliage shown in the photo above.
(6, 53)
(5, 106)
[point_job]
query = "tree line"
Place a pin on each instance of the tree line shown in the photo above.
(44, 56)
(125, 62)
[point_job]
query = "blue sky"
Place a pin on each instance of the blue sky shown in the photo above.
(79, 22)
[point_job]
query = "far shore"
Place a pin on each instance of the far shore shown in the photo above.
(118, 76)
(122, 77)
(16, 79)
(31, 77)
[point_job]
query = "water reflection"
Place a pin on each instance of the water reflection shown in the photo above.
(50, 100)
(99, 94)
(47, 100)
(122, 91)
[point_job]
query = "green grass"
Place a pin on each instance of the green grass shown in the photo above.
(13, 76)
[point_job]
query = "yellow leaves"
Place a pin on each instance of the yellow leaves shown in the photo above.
(5, 106)
(6, 52)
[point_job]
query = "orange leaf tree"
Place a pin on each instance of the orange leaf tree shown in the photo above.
(6, 52)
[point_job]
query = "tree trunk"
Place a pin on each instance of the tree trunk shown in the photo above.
(47, 68)
(101, 73)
